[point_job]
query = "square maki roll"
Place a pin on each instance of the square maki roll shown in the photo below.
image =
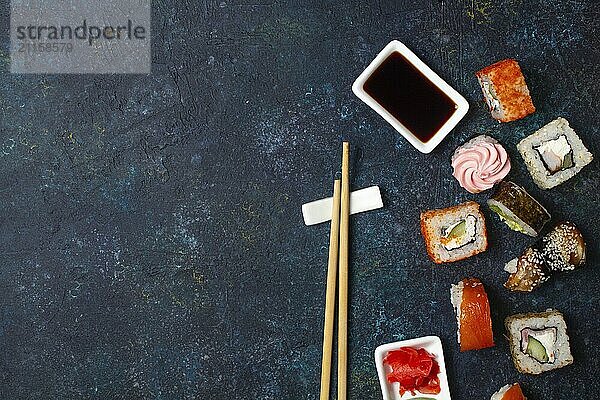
(505, 91)
(539, 341)
(454, 233)
(554, 154)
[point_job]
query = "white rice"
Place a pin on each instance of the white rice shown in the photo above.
(456, 295)
(500, 393)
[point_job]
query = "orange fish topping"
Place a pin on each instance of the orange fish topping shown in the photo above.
(475, 321)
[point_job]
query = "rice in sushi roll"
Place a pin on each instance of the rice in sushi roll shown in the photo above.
(472, 309)
(562, 249)
(454, 233)
(554, 154)
(509, 392)
(538, 341)
(518, 209)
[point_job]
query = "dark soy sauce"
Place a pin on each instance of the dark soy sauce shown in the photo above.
(407, 94)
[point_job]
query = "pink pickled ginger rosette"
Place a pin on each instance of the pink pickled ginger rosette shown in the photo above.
(480, 163)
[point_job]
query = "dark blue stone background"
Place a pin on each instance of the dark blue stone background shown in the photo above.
(151, 240)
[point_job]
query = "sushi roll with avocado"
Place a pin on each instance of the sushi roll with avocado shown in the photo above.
(454, 233)
(554, 154)
(509, 392)
(516, 207)
(562, 249)
(538, 341)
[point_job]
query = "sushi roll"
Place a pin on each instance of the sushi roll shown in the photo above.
(562, 249)
(480, 163)
(520, 211)
(509, 392)
(554, 154)
(472, 309)
(505, 91)
(454, 233)
(538, 341)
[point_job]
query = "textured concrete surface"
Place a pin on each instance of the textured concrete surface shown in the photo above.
(151, 241)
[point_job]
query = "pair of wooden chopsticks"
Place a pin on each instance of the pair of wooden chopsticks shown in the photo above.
(338, 236)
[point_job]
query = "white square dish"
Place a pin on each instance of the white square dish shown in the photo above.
(433, 345)
(461, 104)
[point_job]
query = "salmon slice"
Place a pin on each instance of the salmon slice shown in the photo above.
(475, 321)
(514, 393)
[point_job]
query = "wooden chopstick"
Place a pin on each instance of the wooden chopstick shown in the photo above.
(343, 275)
(332, 266)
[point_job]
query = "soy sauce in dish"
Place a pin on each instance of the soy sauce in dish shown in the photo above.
(411, 98)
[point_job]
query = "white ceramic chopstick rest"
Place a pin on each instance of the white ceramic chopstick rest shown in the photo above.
(362, 200)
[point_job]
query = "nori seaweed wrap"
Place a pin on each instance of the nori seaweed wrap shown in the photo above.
(518, 209)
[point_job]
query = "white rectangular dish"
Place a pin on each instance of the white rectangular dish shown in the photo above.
(461, 104)
(433, 345)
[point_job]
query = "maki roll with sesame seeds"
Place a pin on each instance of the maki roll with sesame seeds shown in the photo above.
(563, 249)
(527, 272)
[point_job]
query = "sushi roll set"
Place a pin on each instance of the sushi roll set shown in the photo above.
(538, 342)
(553, 155)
